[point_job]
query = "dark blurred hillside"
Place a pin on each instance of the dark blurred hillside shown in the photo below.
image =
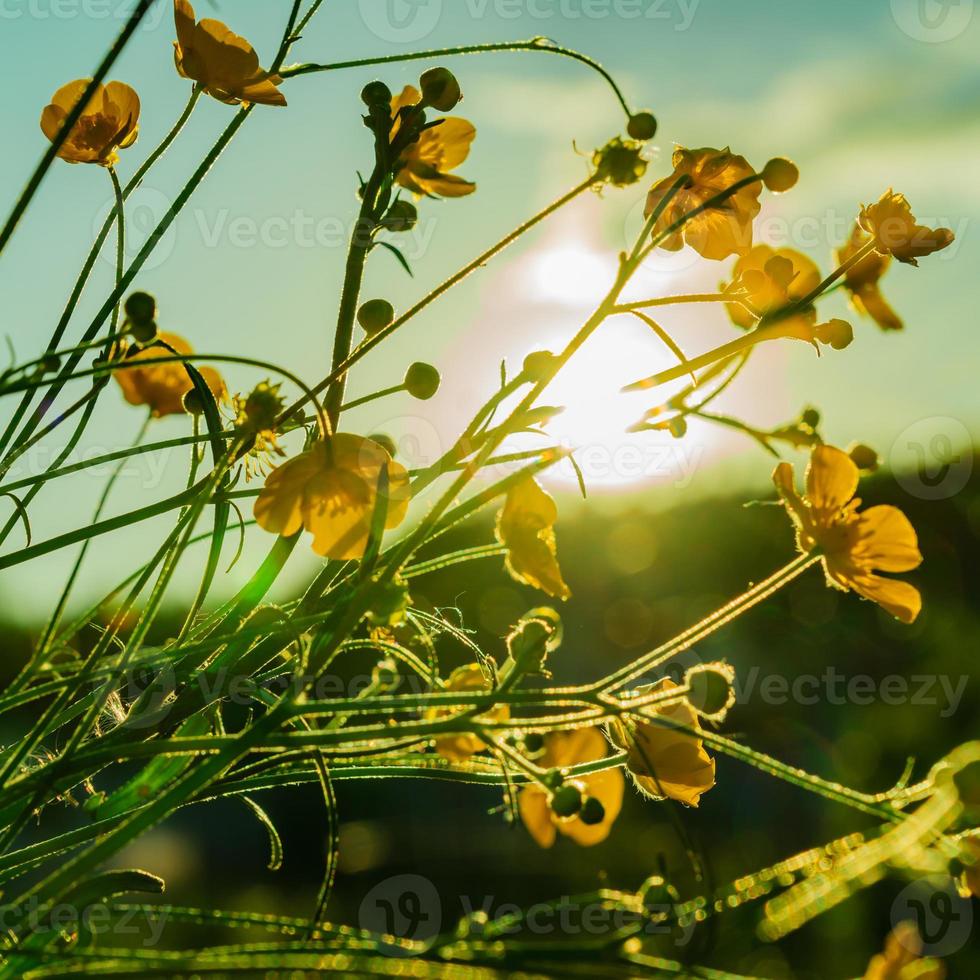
(636, 580)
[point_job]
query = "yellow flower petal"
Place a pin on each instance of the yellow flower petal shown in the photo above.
(279, 507)
(831, 478)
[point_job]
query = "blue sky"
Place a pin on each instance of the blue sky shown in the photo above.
(862, 95)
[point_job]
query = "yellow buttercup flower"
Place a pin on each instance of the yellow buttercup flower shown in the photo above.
(525, 525)
(109, 122)
(459, 748)
(423, 167)
(331, 490)
(721, 230)
(902, 958)
(563, 749)
(852, 545)
(773, 279)
(861, 280)
(892, 225)
(222, 63)
(162, 386)
(667, 763)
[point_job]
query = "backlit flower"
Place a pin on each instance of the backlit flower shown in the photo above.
(424, 165)
(109, 122)
(775, 278)
(458, 748)
(667, 763)
(861, 280)
(162, 386)
(724, 228)
(892, 225)
(561, 750)
(525, 525)
(222, 63)
(902, 958)
(852, 545)
(331, 489)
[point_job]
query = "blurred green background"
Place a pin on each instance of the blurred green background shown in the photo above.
(863, 96)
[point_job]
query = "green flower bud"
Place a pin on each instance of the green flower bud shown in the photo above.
(143, 332)
(375, 315)
(421, 380)
(440, 89)
(642, 126)
(533, 743)
(710, 689)
(385, 442)
(780, 174)
(141, 308)
(864, 457)
(566, 801)
(539, 365)
(49, 364)
(193, 403)
(401, 216)
(677, 427)
(592, 812)
(376, 93)
(810, 417)
(620, 162)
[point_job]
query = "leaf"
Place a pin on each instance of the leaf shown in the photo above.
(275, 842)
(398, 255)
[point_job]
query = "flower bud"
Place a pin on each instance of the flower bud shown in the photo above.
(143, 332)
(401, 216)
(421, 380)
(620, 162)
(710, 690)
(864, 457)
(837, 333)
(49, 364)
(259, 411)
(539, 365)
(810, 417)
(642, 126)
(677, 426)
(140, 308)
(385, 442)
(533, 743)
(376, 93)
(566, 801)
(780, 174)
(375, 315)
(592, 812)
(440, 89)
(192, 402)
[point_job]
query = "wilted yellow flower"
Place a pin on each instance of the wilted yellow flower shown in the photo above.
(852, 545)
(563, 749)
(861, 280)
(902, 960)
(424, 165)
(109, 122)
(331, 489)
(667, 763)
(222, 63)
(895, 232)
(525, 525)
(162, 386)
(458, 748)
(721, 230)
